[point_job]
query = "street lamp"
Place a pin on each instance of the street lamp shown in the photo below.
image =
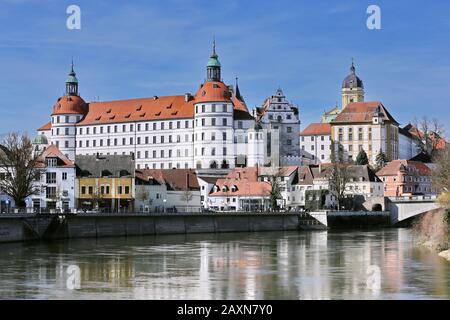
(164, 208)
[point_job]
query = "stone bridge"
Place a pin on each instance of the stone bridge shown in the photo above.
(403, 208)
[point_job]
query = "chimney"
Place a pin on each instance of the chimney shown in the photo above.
(155, 97)
(187, 97)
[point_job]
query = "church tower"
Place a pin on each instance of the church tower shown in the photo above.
(352, 88)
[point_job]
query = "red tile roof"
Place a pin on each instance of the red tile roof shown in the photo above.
(317, 129)
(285, 171)
(246, 182)
(362, 112)
(393, 167)
(70, 105)
(174, 179)
(213, 91)
(162, 108)
(46, 126)
(52, 151)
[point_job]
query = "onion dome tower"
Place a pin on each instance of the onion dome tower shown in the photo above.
(352, 88)
(213, 120)
(67, 112)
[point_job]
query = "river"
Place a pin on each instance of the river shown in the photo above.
(376, 264)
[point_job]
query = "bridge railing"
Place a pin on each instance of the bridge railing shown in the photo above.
(414, 198)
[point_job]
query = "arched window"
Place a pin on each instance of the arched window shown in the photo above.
(225, 164)
(199, 165)
(213, 165)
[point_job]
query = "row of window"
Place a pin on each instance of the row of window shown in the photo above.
(350, 137)
(212, 122)
(130, 127)
(214, 108)
(50, 177)
(104, 190)
(322, 138)
(322, 147)
(408, 179)
(161, 154)
(64, 119)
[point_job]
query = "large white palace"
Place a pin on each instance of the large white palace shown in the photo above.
(209, 129)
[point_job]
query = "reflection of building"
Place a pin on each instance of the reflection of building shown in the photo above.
(56, 187)
(405, 177)
(105, 182)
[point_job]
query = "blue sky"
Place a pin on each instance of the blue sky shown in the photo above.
(129, 49)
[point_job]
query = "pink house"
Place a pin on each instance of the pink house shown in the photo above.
(405, 178)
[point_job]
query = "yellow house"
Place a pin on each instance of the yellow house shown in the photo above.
(105, 183)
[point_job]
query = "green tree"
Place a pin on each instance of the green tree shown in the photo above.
(362, 158)
(380, 160)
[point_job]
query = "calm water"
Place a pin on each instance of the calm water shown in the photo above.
(291, 265)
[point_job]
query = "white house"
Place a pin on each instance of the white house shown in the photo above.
(56, 186)
(170, 190)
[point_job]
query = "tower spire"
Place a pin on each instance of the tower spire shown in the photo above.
(352, 68)
(213, 67)
(72, 82)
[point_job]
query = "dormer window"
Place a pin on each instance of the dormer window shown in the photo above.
(234, 189)
(224, 189)
(52, 162)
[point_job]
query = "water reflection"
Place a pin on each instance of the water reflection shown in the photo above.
(305, 265)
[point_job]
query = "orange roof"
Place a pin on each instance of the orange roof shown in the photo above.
(174, 179)
(52, 151)
(213, 91)
(161, 108)
(362, 112)
(156, 108)
(70, 105)
(316, 129)
(46, 126)
(245, 180)
(393, 167)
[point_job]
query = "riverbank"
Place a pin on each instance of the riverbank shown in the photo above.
(49, 227)
(432, 231)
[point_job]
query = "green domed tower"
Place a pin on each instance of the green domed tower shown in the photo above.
(213, 66)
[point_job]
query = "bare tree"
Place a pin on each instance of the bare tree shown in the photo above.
(339, 176)
(142, 195)
(18, 163)
(441, 171)
(275, 183)
(187, 196)
(430, 132)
